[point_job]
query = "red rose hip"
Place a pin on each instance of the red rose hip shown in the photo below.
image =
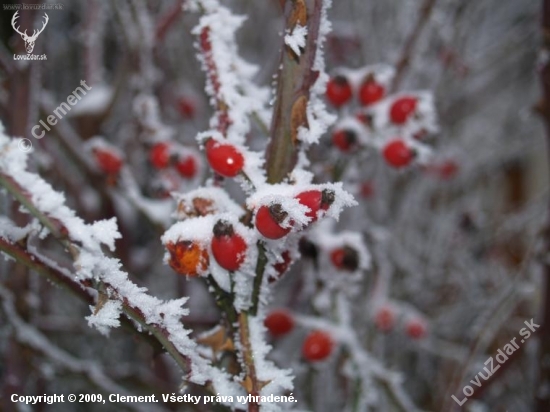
(224, 158)
(345, 258)
(402, 108)
(228, 248)
(279, 322)
(108, 161)
(269, 219)
(371, 92)
(398, 154)
(338, 91)
(187, 167)
(316, 200)
(384, 319)
(317, 346)
(416, 329)
(159, 156)
(345, 140)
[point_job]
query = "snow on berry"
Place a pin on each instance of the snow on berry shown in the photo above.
(108, 157)
(228, 247)
(269, 219)
(91, 263)
(205, 201)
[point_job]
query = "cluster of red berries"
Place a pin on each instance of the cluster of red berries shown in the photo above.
(190, 258)
(317, 345)
(270, 218)
(386, 318)
(340, 91)
(397, 153)
(163, 154)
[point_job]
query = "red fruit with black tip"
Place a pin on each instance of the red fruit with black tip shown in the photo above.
(159, 156)
(228, 248)
(345, 140)
(402, 109)
(338, 91)
(269, 219)
(279, 322)
(224, 158)
(397, 154)
(345, 258)
(371, 92)
(317, 346)
(316, 200)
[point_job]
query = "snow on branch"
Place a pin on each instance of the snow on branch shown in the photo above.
(92, 264)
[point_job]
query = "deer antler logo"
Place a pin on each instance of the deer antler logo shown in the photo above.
(29, 40)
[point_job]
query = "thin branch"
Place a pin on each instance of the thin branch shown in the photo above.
(31, 337)
(406, 54)
(296, 78)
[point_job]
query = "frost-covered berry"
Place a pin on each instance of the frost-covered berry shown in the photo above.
(416, 329)
(370, 92)
(159, 155)
(345, 258)
(282, 267)
(316, 200)
(279, 322)
(398, 154)
(345, 140)
(224, 158)
(317, 346)
(269, 219)
(384, 319)
(186, 107)
(187, 166)
(402, 108)
(108, 161)
(228, 248)
(338, 91)
(187, 258)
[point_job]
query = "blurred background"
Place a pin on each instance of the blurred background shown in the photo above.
(456, 240)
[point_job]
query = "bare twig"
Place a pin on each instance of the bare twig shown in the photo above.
(408, 48)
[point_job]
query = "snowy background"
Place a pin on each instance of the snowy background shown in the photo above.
(450, 243)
